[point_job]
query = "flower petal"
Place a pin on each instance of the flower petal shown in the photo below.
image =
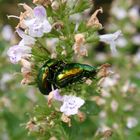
(46, 26)
(113, 48)
(71, 105)
(16, 52)
(26, 39)
(40, 12)
(57, 96)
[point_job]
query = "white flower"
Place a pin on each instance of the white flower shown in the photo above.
(105, 93)
(128, 107)
(26, 39)
(38, 24)
(6, 77)
(101, 57)
(121, 42)
(114, 105)
(102, 114)
(31, 95)
(136, 39)
(51, 45)
(17, 52)
(99, 101)
(119, 12)
(136, 58)
(115, 126)
(130, 28)
(52, 42)
(7, 32)
(110, 81)
(76, 17)
(133, 13)
(129, 87)
(131, 122)
(111, 40)
(71, 104)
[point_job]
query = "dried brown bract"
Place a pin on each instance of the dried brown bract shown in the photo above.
(55, 5)
(50, 98)
(103, 70)
(81, 116)
(42, 2)
(88, 81)
(93, 21)
(31, 126)
(23, 15)
(66, 119)
(26, 72)
(107, 134)
(79, 46)
(58, 25)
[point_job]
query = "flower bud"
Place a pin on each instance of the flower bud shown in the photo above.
(55, 5)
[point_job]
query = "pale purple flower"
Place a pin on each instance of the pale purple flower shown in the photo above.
(111, 40)
(56, 95)
(71, 104)
(40, 12)
(17, 52)
(23, 49)
(38, 25)
(26, 39)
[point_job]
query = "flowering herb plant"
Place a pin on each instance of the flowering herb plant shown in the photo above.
(56, 37)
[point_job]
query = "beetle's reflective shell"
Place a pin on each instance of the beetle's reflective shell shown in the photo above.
(45, 78)
(74, 72)
(58, 74)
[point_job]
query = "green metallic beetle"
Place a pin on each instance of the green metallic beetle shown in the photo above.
(45, 78)
(58, 74)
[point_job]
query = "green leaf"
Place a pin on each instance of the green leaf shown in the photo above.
(90, 108)
(81, 6)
